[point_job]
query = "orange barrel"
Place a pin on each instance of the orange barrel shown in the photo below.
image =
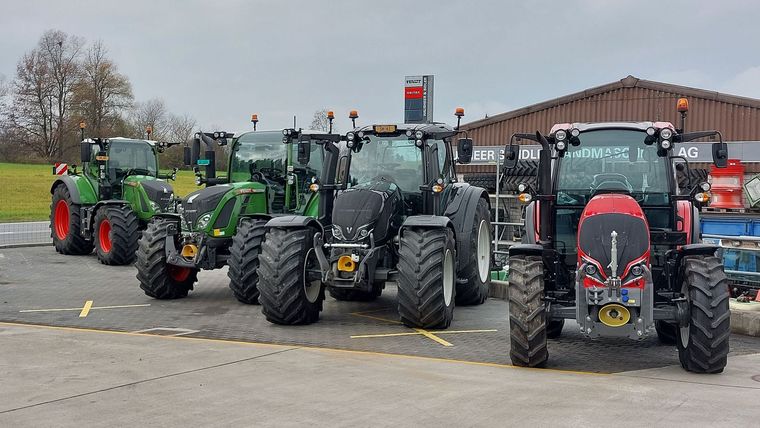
(727, 185)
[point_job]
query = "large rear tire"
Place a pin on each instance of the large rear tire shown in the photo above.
(703, 345)
(527, 312)
(477, 268)
(426, 284)
(289, 292)
(157, 278)
(244, 260)
(65, 224)
(116, 235)
(667, 333)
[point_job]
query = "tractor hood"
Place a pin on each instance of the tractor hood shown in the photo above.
(608, 215)
(159, 192)
(202, 201)
(374, 208)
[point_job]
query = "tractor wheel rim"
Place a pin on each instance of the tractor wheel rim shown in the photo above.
(448, 277)
(683, 332)
(104, 236)
(484, 251)
(61, 219)
(178, 273)
(311, 288)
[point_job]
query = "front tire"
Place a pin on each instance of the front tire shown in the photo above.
(289, 293)
(527, 312)
(703, 345)
(157, 278)
(244, 260)
(116, 235)
(477, 269)
(426, 284)
(65, 224)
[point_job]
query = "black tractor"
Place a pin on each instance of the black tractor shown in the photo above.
(612, 243)
(394, 212)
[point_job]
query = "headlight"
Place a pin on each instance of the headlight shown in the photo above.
(666, 133)
(350, 136)
(665, 144)
(337, 233)
(651, 131)
(203, 221)
(350, 144)
(154, 206)
(418, 135)
(705, 186)
(560, 135)
(522, 187)
(637, 270)
(590, 270)
(418, 143)
(575, 132)
(409, 132)
(561, 145)
(363, 233)
(361, 134)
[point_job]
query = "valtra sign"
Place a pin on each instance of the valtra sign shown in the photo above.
(418, 99)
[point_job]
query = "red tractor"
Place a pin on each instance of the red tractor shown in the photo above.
(611, 243)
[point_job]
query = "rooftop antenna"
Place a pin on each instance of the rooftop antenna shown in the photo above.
(330, 118)
(294, 121)
(353, 115)
(254, 120)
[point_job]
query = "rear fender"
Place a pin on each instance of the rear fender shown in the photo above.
(461, 212)
(427, 222)
(79, 187)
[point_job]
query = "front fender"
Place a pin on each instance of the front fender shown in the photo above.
(427, 221)
(461, 211)
(79, 187)
(294, 222)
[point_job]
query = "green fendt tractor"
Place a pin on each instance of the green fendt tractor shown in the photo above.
(223, 223)
(105, 205)
(394, 212)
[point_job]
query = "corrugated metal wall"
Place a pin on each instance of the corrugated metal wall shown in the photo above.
(623, 103)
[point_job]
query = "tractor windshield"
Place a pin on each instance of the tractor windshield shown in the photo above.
(393, 159)
(129, 157)
(602, 163)
(258, 152)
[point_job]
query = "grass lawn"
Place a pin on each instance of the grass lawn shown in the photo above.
(26, 193)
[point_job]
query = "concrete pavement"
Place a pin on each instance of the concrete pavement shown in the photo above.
(69, 377)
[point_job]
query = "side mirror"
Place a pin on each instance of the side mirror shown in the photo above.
(304, 152)
(187, 156)
(511, 156)
(720, 154)
(196, 150)
(464, 150)
(84, 151)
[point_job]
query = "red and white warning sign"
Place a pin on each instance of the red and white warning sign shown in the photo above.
(60, 168)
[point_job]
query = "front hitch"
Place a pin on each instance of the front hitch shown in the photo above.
(324, 264)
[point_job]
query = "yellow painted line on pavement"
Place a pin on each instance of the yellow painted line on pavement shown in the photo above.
(304, 347)
(80, 309)
(86, 309)
(432, 336)
(364, 315)
(365, 336)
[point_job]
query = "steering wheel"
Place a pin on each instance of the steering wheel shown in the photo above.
(611, 181)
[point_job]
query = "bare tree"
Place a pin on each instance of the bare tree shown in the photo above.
(43, 90)
(320, 122)
(153, 114)
(180, 128)
(102, 93)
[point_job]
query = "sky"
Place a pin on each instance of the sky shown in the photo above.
(221, 61)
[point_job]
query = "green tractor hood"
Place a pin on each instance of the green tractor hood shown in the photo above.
(215, 210)
(147, 195)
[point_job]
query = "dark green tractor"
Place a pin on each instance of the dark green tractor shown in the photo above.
(223, 223)
(117, 192)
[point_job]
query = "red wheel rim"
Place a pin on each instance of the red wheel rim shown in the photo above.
(104, 236)
(61, 220)
(178, 273)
